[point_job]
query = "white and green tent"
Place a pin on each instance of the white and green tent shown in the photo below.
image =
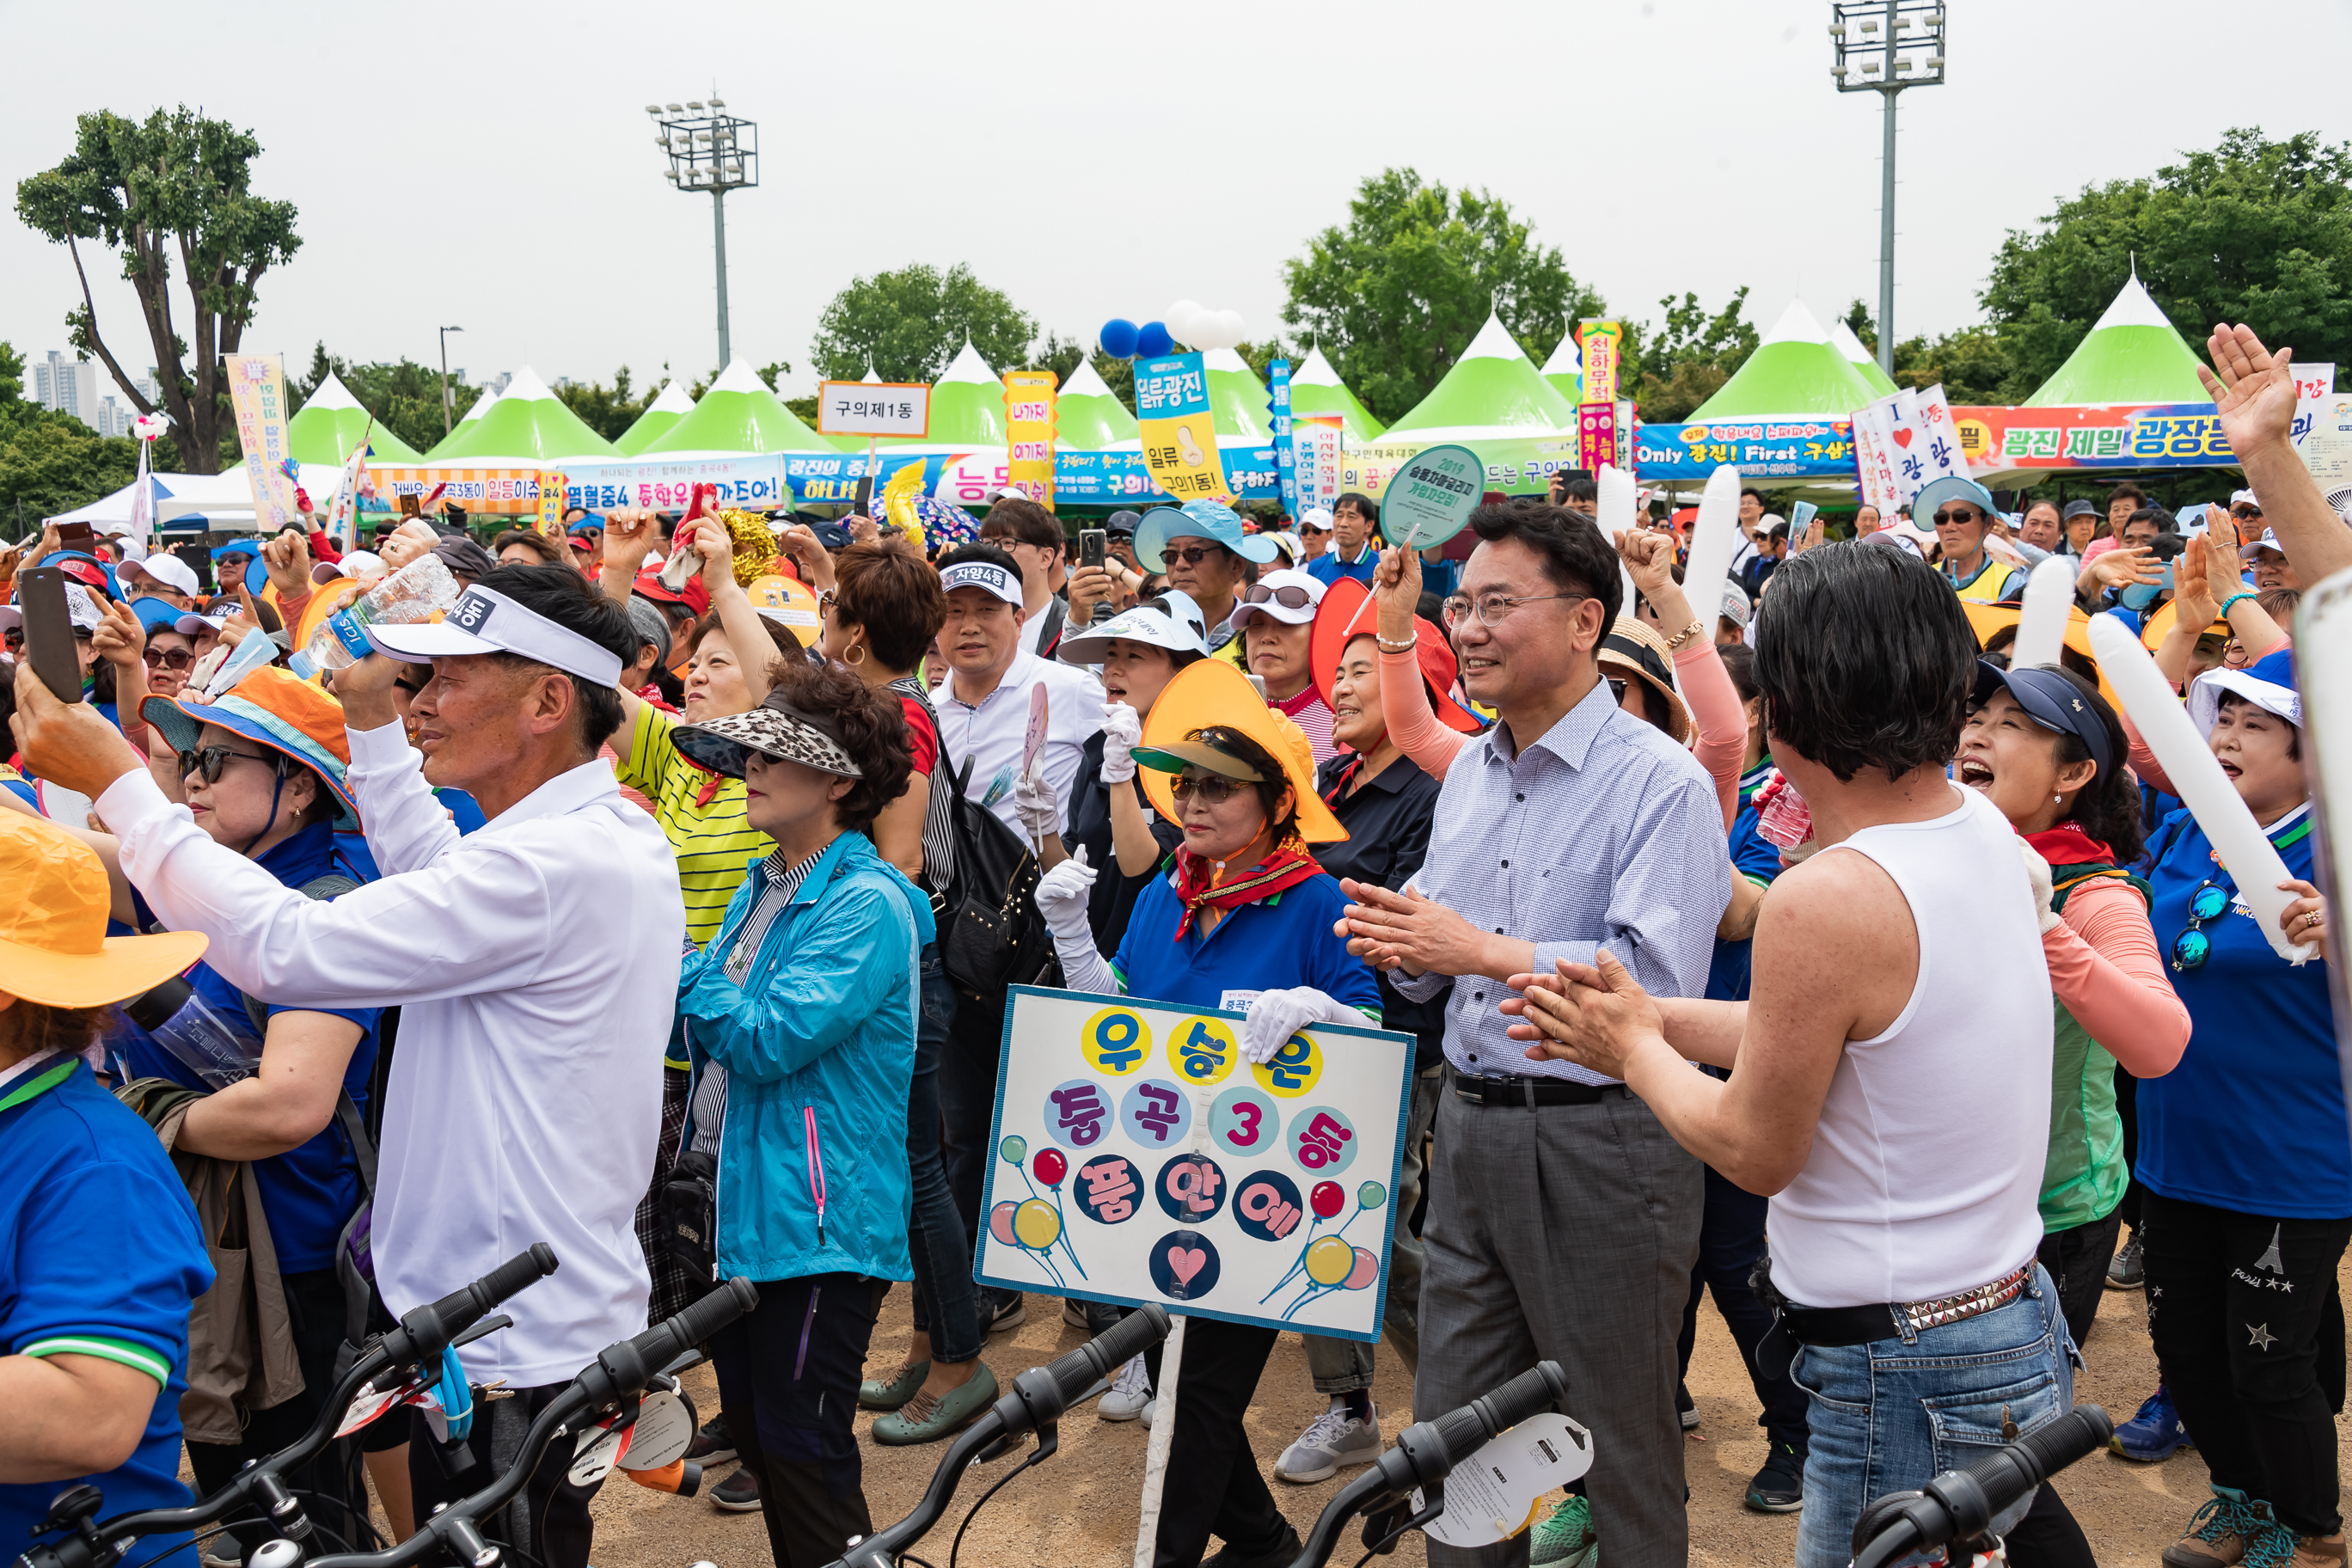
(1237, 399)
(1795, 370)
(737, 414)
(2132, 356)
(967, 410)
(1494, 390)
(527, 426)
(332, 422)
(1089, 416)
(463, 428)
(662, 412)
(1565, 369)
(1841, 338)
(1315, 388)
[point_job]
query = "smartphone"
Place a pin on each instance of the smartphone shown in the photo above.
(48, 631)
(77, 536)
(1093, 544)
(411, 506)
(864, 498)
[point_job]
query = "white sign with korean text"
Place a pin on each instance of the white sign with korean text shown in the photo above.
(1136, 1157)
(874, 409)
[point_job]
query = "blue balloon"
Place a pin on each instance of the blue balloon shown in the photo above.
(1117, 338)
(1153, 341)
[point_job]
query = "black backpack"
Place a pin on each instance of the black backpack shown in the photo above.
(991, 935)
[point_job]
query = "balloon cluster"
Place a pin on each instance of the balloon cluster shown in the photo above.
(1187, 322)
(148, 426)
(1033, 1224)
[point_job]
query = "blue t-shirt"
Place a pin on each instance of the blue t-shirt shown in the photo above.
(463, 810)
(1327, 568)
(1756, 858)
(2253, 1118)
(1279, 942)
(99, 1255)
(1440, 577)
(309, 1193)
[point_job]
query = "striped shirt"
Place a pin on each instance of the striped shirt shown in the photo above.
(938, 821)
(700, 811)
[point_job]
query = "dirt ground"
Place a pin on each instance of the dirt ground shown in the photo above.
(1079, 1508)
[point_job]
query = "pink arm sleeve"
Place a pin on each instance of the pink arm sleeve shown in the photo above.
(2105, 967)
(1405, 709)
(2142, 761)
(1722, 721)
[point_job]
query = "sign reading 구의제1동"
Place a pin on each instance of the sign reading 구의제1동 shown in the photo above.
(874, 409)
(1137, 1157)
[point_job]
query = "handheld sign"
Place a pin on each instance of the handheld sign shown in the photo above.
(1431, 497)
(1032, 743)
(1494, 1494)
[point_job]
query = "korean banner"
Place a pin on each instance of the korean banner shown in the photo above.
(751, 483)
(1600, 345)
(505, 492)
(1285, 457)
(1906, 440)
(342, 512)
(1180, 433)
(1136, 1157)
(551, 504)
(1999, 441)
(1314, 453)
(257, 390)
(1777, 447)
(1029, 433)
(1597, 428)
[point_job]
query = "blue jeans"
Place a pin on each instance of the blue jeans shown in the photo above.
(936, 1240)
(1888, 1416)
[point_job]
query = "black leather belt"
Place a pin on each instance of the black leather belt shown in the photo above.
(1498, 1088)
(1830, 1326)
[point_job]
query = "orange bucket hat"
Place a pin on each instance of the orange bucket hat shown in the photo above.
(53, 949)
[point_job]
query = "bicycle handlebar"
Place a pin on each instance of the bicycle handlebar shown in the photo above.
(1959, 1504)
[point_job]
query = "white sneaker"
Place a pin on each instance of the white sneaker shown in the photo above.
(1128, 1395)
(1336, 1440)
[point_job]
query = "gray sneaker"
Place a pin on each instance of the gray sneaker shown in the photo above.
(2125, 1270)
(1128, 1395)
(1334, 1441)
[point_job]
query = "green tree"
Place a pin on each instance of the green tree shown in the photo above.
(907, 325)
(1061, 355)
(607, 410)
(1394, 296)
(174, 187)
(1968, 365)
(50, 462)
(2253, 231)
(1674, 368)
(404, 395)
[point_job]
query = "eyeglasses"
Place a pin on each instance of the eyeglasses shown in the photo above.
(1213, 789)
(166, 658)
(2245, 511)
(1289, 598)
(210, 759)
(1957, 514)
(1494, 609)
(1195, 555)
(2192, 947)
(824, 601)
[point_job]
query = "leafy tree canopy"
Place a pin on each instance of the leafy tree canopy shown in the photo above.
(909, 324)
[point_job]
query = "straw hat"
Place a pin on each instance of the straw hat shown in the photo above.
(1214, 692)
(1348, 611)
(1632, 651)
(53, 949)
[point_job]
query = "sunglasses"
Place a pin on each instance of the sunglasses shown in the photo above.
(2192, 947)
(167, 658)
(1958, 514)
(210, 759)
(2245, 511)
(1310, 529)
(1215, 789)
(1287, 597)
(1196, 554)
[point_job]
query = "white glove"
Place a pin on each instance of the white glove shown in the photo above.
(1122, 728)
(1062, 896)
(1040, 812)
(2037, 872)
(1276, 1016)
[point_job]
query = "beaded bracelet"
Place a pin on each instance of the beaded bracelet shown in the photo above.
(2232, 599)
(1407, 646)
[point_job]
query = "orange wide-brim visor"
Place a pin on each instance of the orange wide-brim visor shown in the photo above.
(1211, 691)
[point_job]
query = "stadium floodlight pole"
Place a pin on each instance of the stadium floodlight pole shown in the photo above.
(709, 149)
(447, 414)
(1884, 47)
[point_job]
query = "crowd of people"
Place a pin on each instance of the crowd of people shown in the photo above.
(634, 911)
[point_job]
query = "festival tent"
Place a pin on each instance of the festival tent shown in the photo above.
(529, 427)
(1795, 370)
(652, 425)
(1315, 388)
(1494, 390)
(1842, 339)
(967, 409)
(332, 422)
(2132, 356)
(1565, 369)
(1089, 416)
(1237, 399)
(737, 414)
(464, 427)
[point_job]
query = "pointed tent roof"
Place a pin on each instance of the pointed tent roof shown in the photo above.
(967, 407)
(662, 412)
(1315, 388)
(463, 428)
(528, 426)
(2132, 356)
(1565, 369)
(331, 423)
(1238, 398)
(737, 414)
(1842, 339)
(1087, 415)
(1795, 370)
(1494, 389)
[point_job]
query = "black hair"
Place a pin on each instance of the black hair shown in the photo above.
(1752, 490)
(1430, 608)
(1575, 557)
(1864, 661)
(1740, 663)
(1580, 489)
(1366, 506)
(563, 596)
(2108, 807)
(1022, 522)
(2294, 732)
(1998, 646)
(1271, 780)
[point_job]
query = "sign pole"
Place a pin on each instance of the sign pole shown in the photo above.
(1163, 1434)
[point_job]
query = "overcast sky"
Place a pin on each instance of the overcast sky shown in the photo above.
(489, 164)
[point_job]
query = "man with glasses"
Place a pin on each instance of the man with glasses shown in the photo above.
(1962, 513)
(1563, 1222)
(163, 576)
(1034, 539)
(1201, 548)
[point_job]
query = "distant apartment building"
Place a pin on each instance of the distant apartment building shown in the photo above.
(74, 386)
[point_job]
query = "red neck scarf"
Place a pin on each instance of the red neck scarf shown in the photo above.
(1285, 867)
(2068, 844)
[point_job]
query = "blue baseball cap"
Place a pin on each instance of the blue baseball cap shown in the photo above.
(2054, 702)
(156, 616)
(237, 547)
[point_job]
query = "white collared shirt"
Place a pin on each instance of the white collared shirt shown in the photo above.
(991, 731)
(536, 963)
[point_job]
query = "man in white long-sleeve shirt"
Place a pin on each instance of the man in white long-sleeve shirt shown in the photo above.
(535, 961)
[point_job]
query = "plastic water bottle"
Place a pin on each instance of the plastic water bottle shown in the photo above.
(410, 594)
(217, 1049)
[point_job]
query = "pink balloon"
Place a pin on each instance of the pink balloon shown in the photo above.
(1326, 1198)
(1000, 1224)
(1050, 1167)
(1367, 1269)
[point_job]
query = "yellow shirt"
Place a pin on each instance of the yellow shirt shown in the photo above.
(702, 813)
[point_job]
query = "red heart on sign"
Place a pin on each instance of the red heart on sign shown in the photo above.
(1902, 437)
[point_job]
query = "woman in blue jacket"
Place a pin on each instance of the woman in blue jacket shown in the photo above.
(800, 1018)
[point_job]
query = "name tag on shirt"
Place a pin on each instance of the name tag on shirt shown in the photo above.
(1238, 1001)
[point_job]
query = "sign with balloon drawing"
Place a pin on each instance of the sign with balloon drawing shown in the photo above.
(1138, 1157)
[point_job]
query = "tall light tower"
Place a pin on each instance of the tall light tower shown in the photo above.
(709, 149)
(1884, 47)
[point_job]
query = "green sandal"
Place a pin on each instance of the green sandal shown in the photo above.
(875, 1395)
(925, 1420)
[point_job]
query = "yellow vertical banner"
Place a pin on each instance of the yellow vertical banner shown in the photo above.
(551, 503)
(1180, 432)
(1029, 403)
(257, 392)
(1599, 436)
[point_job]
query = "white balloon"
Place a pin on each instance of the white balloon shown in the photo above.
(1232, 328)
(2042, 620)
(1179, 320)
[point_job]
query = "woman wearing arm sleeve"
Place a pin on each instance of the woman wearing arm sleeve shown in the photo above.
(1411, 723)
(1719, 716)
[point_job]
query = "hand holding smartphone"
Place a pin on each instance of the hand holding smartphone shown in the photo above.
(48, 631)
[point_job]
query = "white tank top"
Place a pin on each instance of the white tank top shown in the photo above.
(1925, 1169)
